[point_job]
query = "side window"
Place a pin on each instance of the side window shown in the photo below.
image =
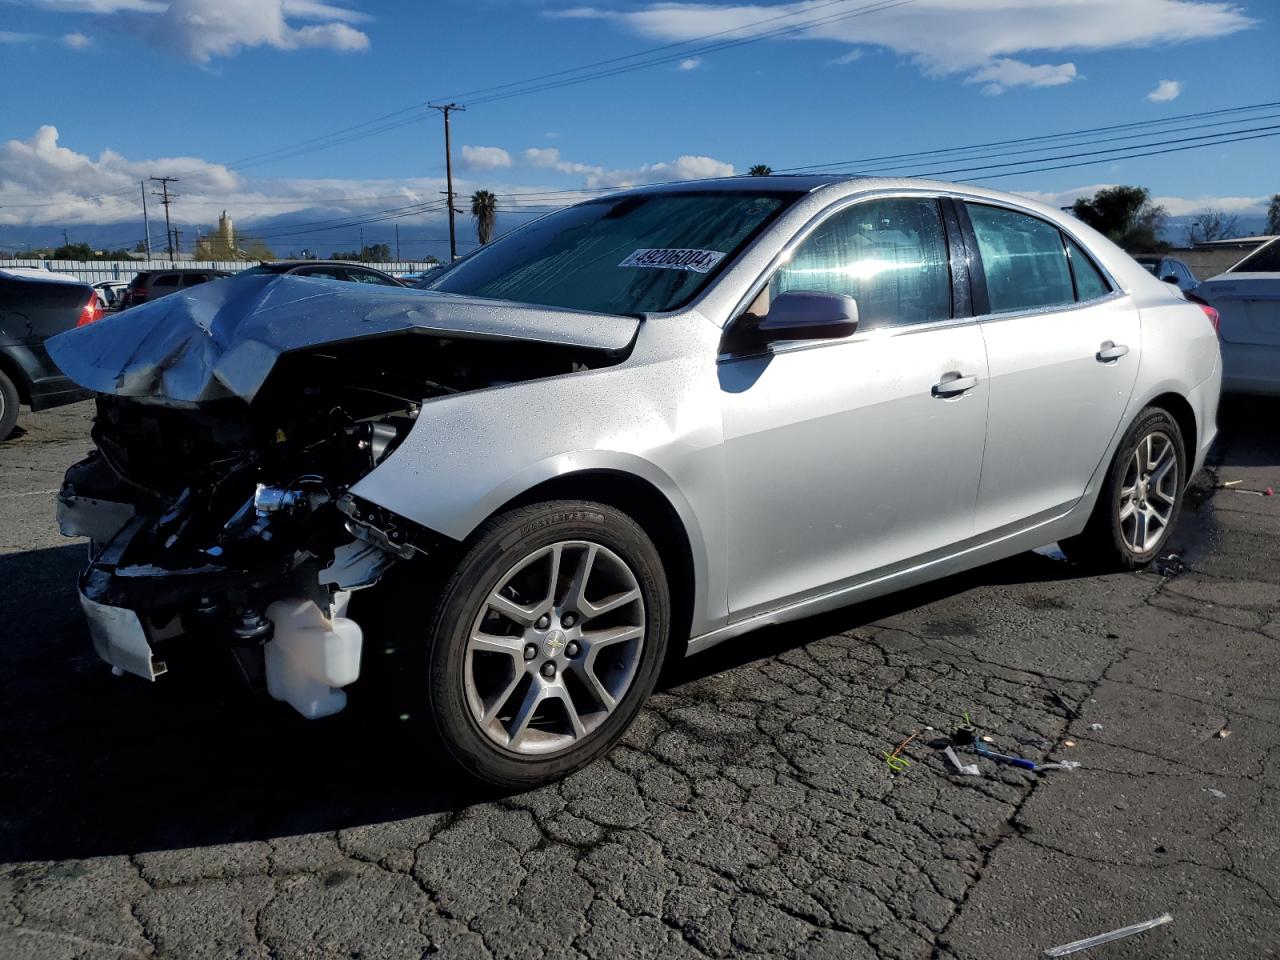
(194, 279)
(1024, 260)
(165, 281)
(364, 276)
(323, 273)
(1090, 283)
(890, 255)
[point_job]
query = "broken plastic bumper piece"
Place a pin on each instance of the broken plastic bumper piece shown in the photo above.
(120, 639)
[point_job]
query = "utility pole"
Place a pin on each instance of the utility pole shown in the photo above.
(362, 244)
(397, 243)
(65, 241)
(146, 224)
(166, 200)
(446, 108)
(177, 243)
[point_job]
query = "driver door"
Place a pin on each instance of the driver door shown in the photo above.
(847, 459)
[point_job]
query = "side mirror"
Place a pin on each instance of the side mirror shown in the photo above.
(1171, 278)
(808, 316)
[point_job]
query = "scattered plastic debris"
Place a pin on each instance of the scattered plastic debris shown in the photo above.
(1223, 733)
(966, 769)
(986, 739)
(982, 750)
(1213, 792)
(1095, 726)
(1059, 765)
(895, 761)
(1077, 945)
(1169, 566)
(1068, 743)
(964, 734)
(1265, 492)
(1229, 484)
(1057, 699)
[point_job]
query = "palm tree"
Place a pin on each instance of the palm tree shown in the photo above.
(484, 210)
(760, 170)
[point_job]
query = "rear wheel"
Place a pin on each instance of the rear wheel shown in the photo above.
(8, 406)
(1140, 499)
(546, 641)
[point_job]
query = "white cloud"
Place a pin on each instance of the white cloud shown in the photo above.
(203, 29)
(1000, 75)
(1176, 206)
(681, 168)
(845, 59)
(13, 37)
(689, 63)
(77, 41)
(548, 158)
(551, 135)
(485, 158)
(1165, 91)
(950, 37)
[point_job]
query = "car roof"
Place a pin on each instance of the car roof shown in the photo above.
(290, 264)
(35, 273)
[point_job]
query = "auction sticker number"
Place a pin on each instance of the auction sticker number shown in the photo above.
(699, 261)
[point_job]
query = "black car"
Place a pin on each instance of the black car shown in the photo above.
(152, 284)
(1169, 269)
(328, 270)
(35, 305)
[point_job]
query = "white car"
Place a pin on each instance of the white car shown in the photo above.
(1247, 298)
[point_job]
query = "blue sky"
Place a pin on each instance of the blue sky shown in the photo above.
(134, 87)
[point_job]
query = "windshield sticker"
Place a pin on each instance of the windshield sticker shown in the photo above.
(699, 261)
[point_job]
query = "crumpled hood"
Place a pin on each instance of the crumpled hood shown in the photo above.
(223, 338)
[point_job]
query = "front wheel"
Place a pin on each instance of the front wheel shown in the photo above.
(1140, 499)
(8, 406)
(546, 641)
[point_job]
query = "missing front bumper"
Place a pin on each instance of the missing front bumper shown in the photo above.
(120, 639)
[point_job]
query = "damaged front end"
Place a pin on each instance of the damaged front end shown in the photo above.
(232, 423)
(232, 524)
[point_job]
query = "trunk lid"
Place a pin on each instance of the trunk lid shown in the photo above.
(1249, 304)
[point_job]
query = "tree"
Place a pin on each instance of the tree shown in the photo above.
(73, 251)
(760, 170)
(1127, 216)
(1211, 224)
(257, 250)
(484, 211)
(1273, 215)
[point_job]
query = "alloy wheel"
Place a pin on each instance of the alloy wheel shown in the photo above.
(1149, 492)
(554, 647)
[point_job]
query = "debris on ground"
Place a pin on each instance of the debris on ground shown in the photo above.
(965, 769)
(895, 761)
(1068, 743)
(1229, 484)
(1095, 726)
(1077, 945)
(1057, 700)
(1213, 792)
(1265, 492)
(1170, 566)
(1059, 765)
(982, 750)
(1223, 733)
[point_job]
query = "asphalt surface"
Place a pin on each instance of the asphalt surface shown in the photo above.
(749, 812)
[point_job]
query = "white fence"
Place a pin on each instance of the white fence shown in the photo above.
(91, 271)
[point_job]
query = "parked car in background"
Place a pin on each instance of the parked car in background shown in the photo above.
(651, 421)
(153, 284)
(1247, 298)
(110, 292)
(327, 270)
(1169, 269)
(36, 305)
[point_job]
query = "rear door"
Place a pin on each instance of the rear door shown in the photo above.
(1063, 347)
(845, 457)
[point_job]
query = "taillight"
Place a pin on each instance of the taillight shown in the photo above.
(1209, 311)
(91, 312)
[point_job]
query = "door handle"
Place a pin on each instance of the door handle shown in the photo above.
(953, 384)
(1111, 351)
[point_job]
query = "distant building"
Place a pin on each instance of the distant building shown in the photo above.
(220, 245)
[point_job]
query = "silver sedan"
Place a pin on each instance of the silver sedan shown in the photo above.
(635, 428)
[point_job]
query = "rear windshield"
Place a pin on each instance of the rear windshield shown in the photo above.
(1266, 259)
(625, 255)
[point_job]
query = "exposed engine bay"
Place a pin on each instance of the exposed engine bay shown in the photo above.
(231, 521)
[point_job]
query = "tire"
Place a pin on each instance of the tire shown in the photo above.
(8, 406)
(604, 644)
(1110, 542)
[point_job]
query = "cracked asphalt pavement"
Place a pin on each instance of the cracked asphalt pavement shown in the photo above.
(749, 813)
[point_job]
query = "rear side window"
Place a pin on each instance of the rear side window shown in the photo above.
(365, 276)
(195, 278)
(165, 280)
(1266, 259)
(890, 255)
(1024, 260)
(1090, 283)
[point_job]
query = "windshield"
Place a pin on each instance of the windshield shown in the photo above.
(626, 255)
(1266, 259)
